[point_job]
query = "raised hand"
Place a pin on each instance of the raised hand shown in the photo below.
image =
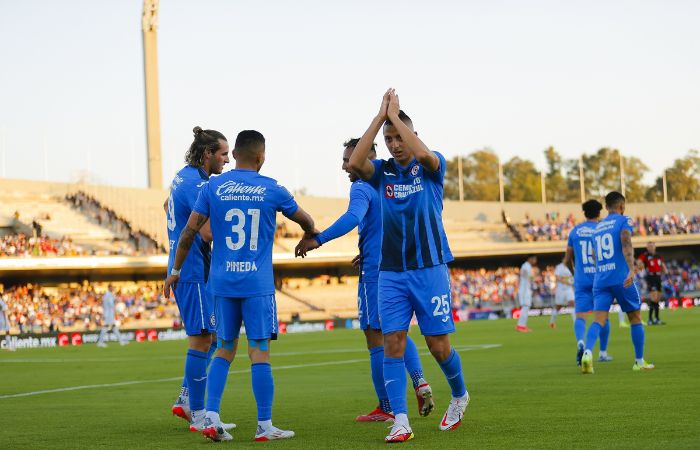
(304, 246)
(394, 106)
(385, 104)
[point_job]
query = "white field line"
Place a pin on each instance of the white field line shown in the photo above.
(174, 357)
(163, 380)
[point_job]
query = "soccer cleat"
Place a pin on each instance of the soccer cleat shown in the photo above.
(624, 324)
(605, 358)
(552, 325)
(642, 367)
(587, 363)
(523, 329)
(399, 433)
(424, 394)
(198, 426)
(215, 432)
(378, 415)
(182, 409)
(579, 353)
(101, 345)
(453, 416)
(272, 434)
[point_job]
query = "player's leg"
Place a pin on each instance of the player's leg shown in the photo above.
(396, 313)
(583, 304)
(432, 302)
(602, 300)
(604, 337)
(102, 340)
(229, 317)
(424, 393)
(630, 301)
(558, 302)
(118, 335)
(525, 300)
(187, 298)
(367, 311)
(260, 318)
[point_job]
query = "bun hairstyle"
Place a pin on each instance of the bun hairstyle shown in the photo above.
(204, 141)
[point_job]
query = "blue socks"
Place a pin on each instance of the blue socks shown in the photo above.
(452, 368)
(376, 364)
(395, 384)
(196, 377)
(637, 331)
(580, 329)
(412, 362)
(263, 389)
(592, 336)
(216, 382)
(604, 336)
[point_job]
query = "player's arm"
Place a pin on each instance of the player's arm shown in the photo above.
(359, 162)
(304, 220)
(184, 243)
(569, 258)
(357, 208)
(628, 252)
(205, 232)
(421, 152)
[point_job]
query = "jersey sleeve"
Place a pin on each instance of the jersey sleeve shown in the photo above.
(201, 206)
(285, 202)
(359, 204)
(627, 224)
(377, 176)
(439, 174)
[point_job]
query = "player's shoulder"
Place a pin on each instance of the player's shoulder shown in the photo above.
(362, 186)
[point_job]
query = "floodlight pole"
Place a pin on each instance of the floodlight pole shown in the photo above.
(149, 23)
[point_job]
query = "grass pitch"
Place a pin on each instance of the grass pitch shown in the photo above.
(526, 392)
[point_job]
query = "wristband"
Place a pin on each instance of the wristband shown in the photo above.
(175, 272)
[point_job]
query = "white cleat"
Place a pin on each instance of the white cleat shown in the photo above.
(453, 416)
(197, 424)
(272, 434)
(399, 433)
(215, 432)
(102, 345)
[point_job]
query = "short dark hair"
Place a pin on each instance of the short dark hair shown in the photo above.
(591, 209)
(613, 198)
(352, 142)
(403, 117)
(203, 140)
(249, 141)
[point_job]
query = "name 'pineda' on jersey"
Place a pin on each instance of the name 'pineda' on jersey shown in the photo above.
(241, 266)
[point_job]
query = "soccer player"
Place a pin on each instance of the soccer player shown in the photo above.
(364, 212)
(4, 321)
(241, 206)
(563, 293)
(579, 250)
(207, 155)
(108, 319)
(413, 273)
(614, 278)
(525, 293)
(653, 266)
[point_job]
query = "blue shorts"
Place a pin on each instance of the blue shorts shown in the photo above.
(259, 314)
(367, 306)
(196, 308)
(628, 298)
(583, 299)
(423, 291)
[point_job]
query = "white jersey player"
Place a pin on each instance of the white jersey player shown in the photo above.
(525, 293)
(4, 320)
(564, 292)
(108, 319)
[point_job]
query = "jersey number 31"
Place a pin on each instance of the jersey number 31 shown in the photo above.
(239, 237)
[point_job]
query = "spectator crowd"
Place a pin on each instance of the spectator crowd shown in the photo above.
(141, 242)
(21, 245)
(33, 308)
(555, 227)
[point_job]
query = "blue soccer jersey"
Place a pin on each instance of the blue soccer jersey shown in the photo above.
(611, 266)
(413, 236)
(242, 207)
(183, 194)
(370, 229)
(580, 242)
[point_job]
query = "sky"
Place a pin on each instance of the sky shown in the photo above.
(513, 76)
